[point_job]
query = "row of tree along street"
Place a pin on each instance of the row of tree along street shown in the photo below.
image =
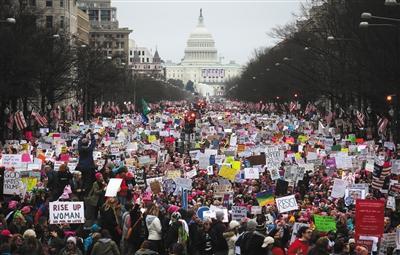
(344, 50)
(40, 68)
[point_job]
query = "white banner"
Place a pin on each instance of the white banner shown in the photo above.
(11, 160)
(239, 212)
(113, 187)
(65, 212)
(286, 204)
(12, 182)
(251, 173)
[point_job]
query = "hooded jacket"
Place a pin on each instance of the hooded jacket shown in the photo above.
(153, 224)
(105, 246)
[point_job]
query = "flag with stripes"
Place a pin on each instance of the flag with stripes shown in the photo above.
(360, 119)
(382, 124)
(41, 120)
(20, 120)
(379, 175)
(292, 106)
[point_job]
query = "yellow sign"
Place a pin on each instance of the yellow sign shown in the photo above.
(236, 165)
(30, 182)
(152, 138)
(228, 173)
(229, 159)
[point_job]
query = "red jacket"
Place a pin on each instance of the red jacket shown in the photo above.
(278, 251)
(298, 246)
(123, 192)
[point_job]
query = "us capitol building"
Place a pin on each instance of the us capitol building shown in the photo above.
(201, 64)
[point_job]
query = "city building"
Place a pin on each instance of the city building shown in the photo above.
(104, 29)
(83, 27)
(60, 15)
(201, 64)
(144, 63)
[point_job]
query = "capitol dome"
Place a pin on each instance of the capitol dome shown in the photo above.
(200, 47)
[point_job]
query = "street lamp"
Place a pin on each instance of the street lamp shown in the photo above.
(277, 64)
(295, 95)
(332, 38)
(8, 20)
(365, 24)
(391, 2)
(368, 15)
(389, 98)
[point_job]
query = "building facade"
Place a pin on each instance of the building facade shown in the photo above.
(144, 63)
(58, 15)
(105, 32)
(83, 27)
(201, 64)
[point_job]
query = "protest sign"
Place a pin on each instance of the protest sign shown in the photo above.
(239, 212)
(155, 187)
(12, 182)
(222, 189)
(191, 174)
(185, 184)
(144, 160)
(11, 160)
(255, 210)
(257, 160)
(140, 177)
(324, 223)
(251, 173)
(228, 173)
(113, 187)
(173, 174)
(65, 212)
(274, 174)
(339, 187)
(274, 157)
(369, 217)
(286, 204)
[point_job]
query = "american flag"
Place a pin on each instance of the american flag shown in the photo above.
(41, 120)
(360, 119)
(382, 124)
(20, 120)
(292, 106)
(379, 179)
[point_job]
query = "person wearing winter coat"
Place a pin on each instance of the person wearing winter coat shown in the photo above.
(70, 248)
(217, 230)
(301, 244)
(154, 228)
(145, 249)
(231, 236)
(177, 232)
(86, 163)
(105, 245)
(110, 218)
(93, 199)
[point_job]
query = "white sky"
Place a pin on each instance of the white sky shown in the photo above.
(238, 26)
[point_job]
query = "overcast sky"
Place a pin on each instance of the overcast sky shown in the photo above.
(238, 26)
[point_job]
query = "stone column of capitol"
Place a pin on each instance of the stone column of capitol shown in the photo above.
(201, 64)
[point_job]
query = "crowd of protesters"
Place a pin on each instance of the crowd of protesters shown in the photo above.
(147, 219)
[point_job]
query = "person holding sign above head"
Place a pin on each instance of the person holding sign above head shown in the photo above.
(86, 163)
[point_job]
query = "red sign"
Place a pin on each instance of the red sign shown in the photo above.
(369, 217)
